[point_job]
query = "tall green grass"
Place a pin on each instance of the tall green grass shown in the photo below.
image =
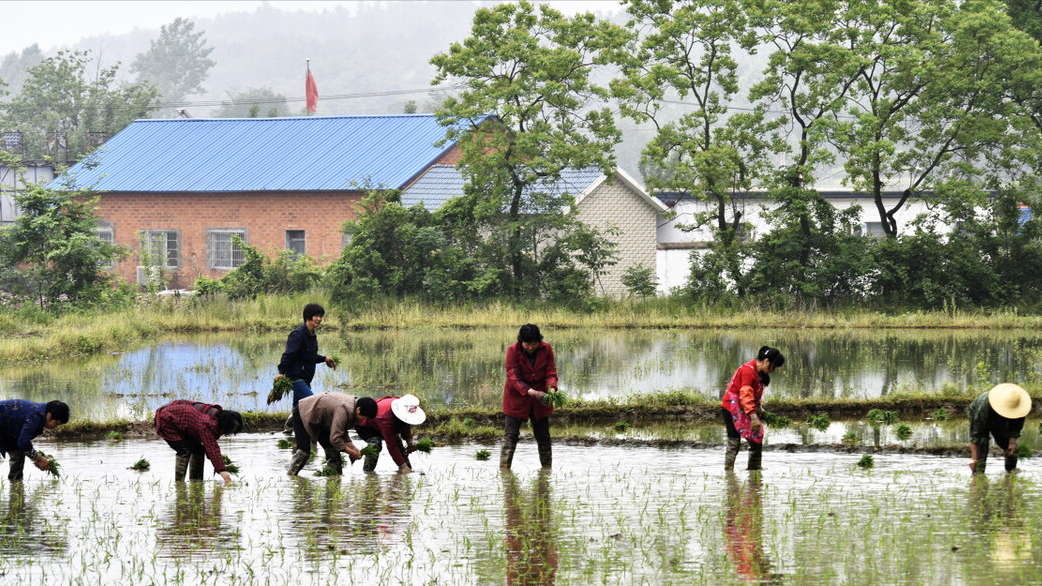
(36, 335)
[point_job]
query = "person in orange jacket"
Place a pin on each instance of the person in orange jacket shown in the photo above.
(741, 408)
(531, 374)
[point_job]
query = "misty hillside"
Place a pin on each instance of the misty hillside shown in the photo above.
(381, 49)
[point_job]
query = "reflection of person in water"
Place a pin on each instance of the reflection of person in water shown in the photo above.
(359, 515)
(531, 541)
(743, 530)
(24, 528)
(997, 550)
(193, 525)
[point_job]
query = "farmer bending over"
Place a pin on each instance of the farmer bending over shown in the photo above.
(20, 422)
(192, 430)
(999, 412)
(326, 418)
(392, 424)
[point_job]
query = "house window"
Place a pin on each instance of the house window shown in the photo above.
(160, 248)
(221, 251)
(870, 230)
(106, 234)
(296, 242)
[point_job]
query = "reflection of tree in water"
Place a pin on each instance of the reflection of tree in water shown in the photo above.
(531, 534)
(25, 528)
(339, 515)
(743, 530)
(999, 549)
(193, 525)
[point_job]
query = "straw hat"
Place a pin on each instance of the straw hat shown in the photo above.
(407, 408)
(1009, 401)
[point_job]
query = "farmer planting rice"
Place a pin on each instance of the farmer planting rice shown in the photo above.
(741, 409)
(301, 355)
(999, 413)
(392, 425)
(326, 418)
(531, 374)
(192, 430)
(20, 422)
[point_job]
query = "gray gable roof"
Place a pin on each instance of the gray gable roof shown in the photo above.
(441, 182)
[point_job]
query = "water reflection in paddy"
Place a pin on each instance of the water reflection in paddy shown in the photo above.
(611, 515)
(464, 367)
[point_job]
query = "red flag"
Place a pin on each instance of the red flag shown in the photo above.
(311, 91)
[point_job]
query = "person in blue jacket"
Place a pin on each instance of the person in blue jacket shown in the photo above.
(301, 355)
(20, 422)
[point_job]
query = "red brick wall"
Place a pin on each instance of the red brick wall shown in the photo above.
(265, 216)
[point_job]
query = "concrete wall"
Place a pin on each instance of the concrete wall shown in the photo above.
(613, 203)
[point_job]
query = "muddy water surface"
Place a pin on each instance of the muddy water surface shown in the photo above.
(605, 515)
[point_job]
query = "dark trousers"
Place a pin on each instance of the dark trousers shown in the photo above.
(303, 440)
(982, 453)
(540, 429)
(17, 459)
(186, 448)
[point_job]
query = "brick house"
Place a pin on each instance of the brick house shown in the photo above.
(601, 201)
(174, 192)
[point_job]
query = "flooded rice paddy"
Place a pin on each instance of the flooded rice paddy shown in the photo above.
(465, 367)
(604, 515)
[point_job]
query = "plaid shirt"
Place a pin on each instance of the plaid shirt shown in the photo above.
(191, 421)
(20, 422)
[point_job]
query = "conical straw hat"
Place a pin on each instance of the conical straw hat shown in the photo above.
(1009, 401)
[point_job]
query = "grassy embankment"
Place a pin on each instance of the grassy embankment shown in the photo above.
(27, 340)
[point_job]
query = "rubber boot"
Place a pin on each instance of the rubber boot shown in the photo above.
(755, 455)
(180, 468)
(195, 467)
(297, 461)
(506, 454)
(731, 453)
(1011, 463)
(545, 454)
(335, 462)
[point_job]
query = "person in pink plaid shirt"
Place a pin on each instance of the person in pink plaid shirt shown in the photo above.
(192, 430)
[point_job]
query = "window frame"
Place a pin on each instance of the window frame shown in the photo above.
(170, 261)
(212, 262)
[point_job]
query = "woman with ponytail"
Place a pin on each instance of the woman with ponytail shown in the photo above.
(741, 408)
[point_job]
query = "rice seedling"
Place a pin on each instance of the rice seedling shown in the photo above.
(284, 444)
(232, 467)
(425, 445)
(1023, 451)
(773, 420)
(140, 466)
(469, 422)
(940, 414)
(279, 387)
(903, 432)
(369, 452)
(621, 426)
(866, 461)
(482, 454)
(880, 417)
(850, 438)
(327, 471)
(52, 467)
(820, 422)
(335, 360)
(114, 436)
(555, 399)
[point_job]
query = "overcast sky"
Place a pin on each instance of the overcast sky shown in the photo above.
(58, 24)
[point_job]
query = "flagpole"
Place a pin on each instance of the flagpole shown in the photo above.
(307, 61)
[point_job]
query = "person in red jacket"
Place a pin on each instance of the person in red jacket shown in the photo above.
(192, 430)
(741, 408)
(531, 374)
(392, 425)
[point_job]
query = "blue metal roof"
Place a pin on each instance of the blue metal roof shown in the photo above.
(261, 154)
(442, 182)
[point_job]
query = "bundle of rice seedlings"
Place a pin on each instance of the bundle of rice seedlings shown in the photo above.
(231, 466)
(369, 451)
(555, 398)
(140, 466)
(327, 470)
(114, 436)
(335, 360)
(425, 445)
(53, 468)
(284, 444)
(279, 387)
(482, 454)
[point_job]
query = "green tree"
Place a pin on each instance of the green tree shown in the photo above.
(251, 102)
(68, 106)
(527, 111)
(176, 63)
(54, 249)
(14, 68)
